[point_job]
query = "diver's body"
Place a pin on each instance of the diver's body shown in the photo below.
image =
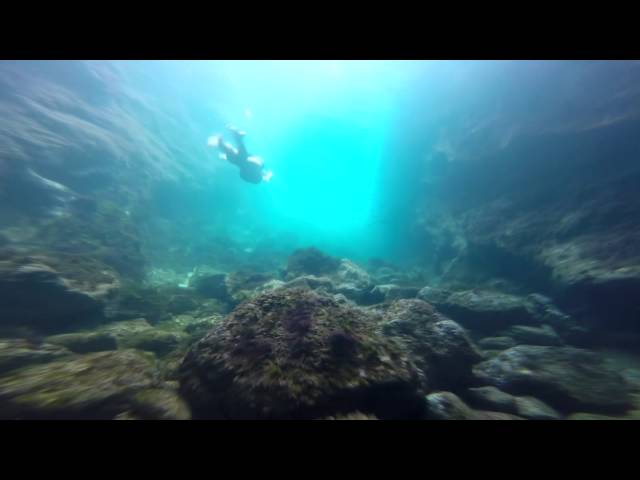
(251, 167)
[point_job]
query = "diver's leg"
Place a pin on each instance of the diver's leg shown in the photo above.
(239, 136)
(228, 151)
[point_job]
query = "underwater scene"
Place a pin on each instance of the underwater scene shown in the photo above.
(320, 240)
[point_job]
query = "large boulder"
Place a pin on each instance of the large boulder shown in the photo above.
(93, 386)
(496, 343)
(293, 353)
(439, 346)
(53, 293)
(567, 378)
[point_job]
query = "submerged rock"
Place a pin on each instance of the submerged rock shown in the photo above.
(570, 379)
(496, 343)
(311, 282)
(181, 303)
(271, 285)
(200, 326)
(141, 335)
(524, 334)
(350, 273)
(490, 311)
(448, 406)
(392, 292)
(243, 285)
(293, 353)
(85, 342)
(134, 301)
(438, 345)
(433, 295)
(159, 404)
(491, 398)
(210, 283)
(153, 340)
(311, 261)
(17, 353)
(52, 293)
(482, 310)
(92, 386)
(534, 409)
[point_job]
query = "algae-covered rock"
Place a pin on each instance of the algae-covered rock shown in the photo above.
(390, 292)
(311, 282)
(52, 293)
(271, 285)
(293, 353)
(210, 283)
(310, 261)
(438, 345)
(92, 386)
(154, 340)
(534, 409)
(483, 310)
(349, 272)
(17, 353)
(448, 406)
(181, 303)
(567, 378)
(496, 343)
(525, 334)
(85, 342)
(491, 398)
(138, 333)
(244, 284)
(160, 404)
(134, 301)
(199, 327)
(107, 233)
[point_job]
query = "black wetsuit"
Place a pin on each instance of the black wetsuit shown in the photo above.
(251, 168)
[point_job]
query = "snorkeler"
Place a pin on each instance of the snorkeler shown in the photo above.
(251, 167)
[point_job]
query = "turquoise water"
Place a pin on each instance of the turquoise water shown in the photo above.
(322, 127)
